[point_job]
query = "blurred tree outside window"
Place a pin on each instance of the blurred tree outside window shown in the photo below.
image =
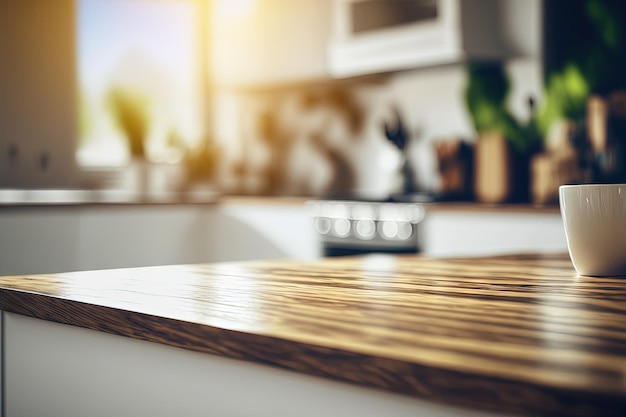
(140, 80)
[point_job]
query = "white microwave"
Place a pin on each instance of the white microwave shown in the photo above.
(374, 36)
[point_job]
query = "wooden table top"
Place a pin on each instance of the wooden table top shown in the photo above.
(521, 334)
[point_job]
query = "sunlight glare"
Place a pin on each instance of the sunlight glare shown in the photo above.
(234, 9)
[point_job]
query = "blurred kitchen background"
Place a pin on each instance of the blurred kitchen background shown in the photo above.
(494, 102)
(303, 97)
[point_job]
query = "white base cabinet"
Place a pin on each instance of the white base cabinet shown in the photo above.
(38, 240)
(492, 232)
(50, 239)
(56, 370)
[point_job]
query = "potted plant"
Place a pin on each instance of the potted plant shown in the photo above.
(130, 111)
(504, 146)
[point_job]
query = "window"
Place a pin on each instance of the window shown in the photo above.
(142, 75)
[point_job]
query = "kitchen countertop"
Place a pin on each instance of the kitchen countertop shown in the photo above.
(83, 197)
(447, 206)
(75, 197)
(521, 334)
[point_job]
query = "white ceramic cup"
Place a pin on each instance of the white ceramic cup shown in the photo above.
(594, 216)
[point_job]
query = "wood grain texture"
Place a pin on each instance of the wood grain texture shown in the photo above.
(520, 334)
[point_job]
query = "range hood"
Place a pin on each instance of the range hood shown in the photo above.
(377, 36)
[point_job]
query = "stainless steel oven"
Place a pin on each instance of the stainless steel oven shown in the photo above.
(357, 227)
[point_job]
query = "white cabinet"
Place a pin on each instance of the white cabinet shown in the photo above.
(248, 230)
(37, 240)
(56, 370)
(373, 36)
(50, 239)
(119, 236)
(257, 43)
(474, 232)
(378, 36)
(116, 237)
